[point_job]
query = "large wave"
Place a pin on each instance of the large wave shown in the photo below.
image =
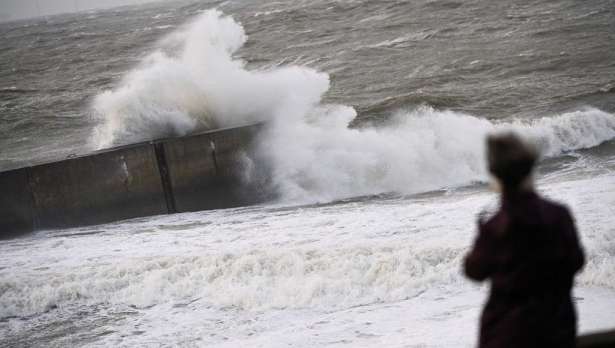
(194, 82)
(418, 150)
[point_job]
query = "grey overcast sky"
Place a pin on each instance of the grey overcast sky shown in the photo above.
(17, 9)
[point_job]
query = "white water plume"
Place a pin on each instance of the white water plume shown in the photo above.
(420, 150)
(194, 82)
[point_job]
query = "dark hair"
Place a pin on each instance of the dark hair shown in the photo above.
(510, 159)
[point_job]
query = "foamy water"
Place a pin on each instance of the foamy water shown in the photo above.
(364, 272)
(365, 244)
(194, 82)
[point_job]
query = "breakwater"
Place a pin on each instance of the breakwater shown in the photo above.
(211, 170)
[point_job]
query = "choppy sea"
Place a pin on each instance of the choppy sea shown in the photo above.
(377, 113)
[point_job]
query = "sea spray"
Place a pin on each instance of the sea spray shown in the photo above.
(321, 158)
(194, 82)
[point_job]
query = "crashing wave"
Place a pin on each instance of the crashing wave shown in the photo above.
(194, 82)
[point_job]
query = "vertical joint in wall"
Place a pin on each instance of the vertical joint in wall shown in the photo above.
(33, 204)
(212, 147)
(165, 177)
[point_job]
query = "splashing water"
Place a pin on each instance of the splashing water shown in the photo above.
(193, 82)
(419, 150)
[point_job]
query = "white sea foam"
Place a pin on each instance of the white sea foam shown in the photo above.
(322, 159)
(267, 13)
(194, 82)
(326, 258)
(402, 40)
(342, 272)
(255, 280)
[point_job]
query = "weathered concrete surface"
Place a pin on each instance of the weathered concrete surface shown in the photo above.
(16, 210)
(211, 170)
(107, 186)
(192, 172)
(198, 172)
(605, 339)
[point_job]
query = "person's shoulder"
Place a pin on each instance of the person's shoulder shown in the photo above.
(493, 222)
(488, 213)
(554, 207)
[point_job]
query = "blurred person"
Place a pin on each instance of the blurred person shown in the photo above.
(530, 252)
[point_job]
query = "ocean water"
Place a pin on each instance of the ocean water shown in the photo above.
(377, 113)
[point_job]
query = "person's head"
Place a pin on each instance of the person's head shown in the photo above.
(510, 160)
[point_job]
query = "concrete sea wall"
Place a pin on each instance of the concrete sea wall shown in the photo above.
(196, 172)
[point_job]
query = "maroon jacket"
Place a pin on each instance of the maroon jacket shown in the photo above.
(530, 251)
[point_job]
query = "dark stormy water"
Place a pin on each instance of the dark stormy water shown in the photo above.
(521, 60)
(377, 113)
